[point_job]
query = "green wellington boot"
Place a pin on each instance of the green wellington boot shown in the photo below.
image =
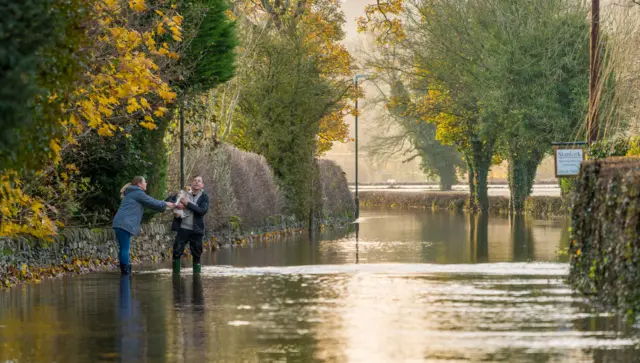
(176, 266)
(197, 268)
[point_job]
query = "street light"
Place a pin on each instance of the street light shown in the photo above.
(355, 81)
(593, 129)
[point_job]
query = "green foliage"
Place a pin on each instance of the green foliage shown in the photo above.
(634, 147)
(281, 114)
(605, 244)
(112, 162)
(539, 96)
(235, 222)
(608, 148)
(567, 187)
(39, 59)
(498, 78)
(209, 58)
(451, 72)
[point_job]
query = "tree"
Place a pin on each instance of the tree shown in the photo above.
(437, 160)
(119, 84)
(39, 61)
(282, 112)
(439, 49)
(300, 91)
(319, 24)
(209, 57)
(537, 81)
(206, 58)
(499, 78)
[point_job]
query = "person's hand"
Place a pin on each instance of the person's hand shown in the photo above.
(184, 200)
(170, 205)
(180, 206)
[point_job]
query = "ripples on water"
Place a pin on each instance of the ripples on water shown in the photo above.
(415, 295)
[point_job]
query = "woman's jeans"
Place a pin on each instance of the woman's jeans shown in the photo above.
(124, 242)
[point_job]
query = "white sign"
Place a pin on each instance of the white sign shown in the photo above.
(568, 161)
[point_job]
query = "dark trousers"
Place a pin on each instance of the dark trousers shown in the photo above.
(183, 237)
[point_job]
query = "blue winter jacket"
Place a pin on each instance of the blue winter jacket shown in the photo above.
(129, 214)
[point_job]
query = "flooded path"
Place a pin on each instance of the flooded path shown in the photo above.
(413, 287)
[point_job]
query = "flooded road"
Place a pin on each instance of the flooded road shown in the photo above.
(412, 287)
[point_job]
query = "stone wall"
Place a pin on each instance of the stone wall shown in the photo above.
(242, 211)
(76, 250)
(605, 243)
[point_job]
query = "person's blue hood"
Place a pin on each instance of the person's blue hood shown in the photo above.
(131, 188)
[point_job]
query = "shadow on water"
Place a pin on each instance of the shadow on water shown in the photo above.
(396, 287)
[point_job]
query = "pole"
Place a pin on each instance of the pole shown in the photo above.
(182, 144)
(593, 128)
(357, 200)
(357, 247)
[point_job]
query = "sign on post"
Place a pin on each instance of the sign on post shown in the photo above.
(568, 157)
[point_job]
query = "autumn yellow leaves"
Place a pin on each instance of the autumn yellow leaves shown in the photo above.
(124, 74)
(126, 47)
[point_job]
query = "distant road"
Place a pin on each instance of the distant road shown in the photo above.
(547, 190)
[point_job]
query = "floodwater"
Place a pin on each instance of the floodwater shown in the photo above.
(412, 287)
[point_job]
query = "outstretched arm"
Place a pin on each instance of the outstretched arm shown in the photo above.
(149, 202)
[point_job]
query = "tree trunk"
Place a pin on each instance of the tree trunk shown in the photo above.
(482, 192)
(532, 169)
(445, 185)
(517, 184)
(481, 152)
(448, 177)
(522, 175)
(315, 206)
(473, 205)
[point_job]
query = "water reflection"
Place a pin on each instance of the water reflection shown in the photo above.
(130, 334)
(397, 287)
(413, 237)
(189, 316)
(357, 227)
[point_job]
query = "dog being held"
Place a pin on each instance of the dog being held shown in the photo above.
(182, 194)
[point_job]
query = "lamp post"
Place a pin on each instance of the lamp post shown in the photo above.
(355, 81)
(181, 144)
(593, 128)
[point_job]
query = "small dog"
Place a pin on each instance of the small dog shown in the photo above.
(179, 213)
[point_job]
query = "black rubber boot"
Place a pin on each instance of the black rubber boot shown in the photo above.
(125, 269)
(197, 268)
(176, 266)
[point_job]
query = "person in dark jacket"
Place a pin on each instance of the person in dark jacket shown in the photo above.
(190, 228)
(127, 221)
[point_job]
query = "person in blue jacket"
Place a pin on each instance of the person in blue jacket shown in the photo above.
(127, 221)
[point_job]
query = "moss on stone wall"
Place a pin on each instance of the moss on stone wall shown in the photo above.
(605, 242)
